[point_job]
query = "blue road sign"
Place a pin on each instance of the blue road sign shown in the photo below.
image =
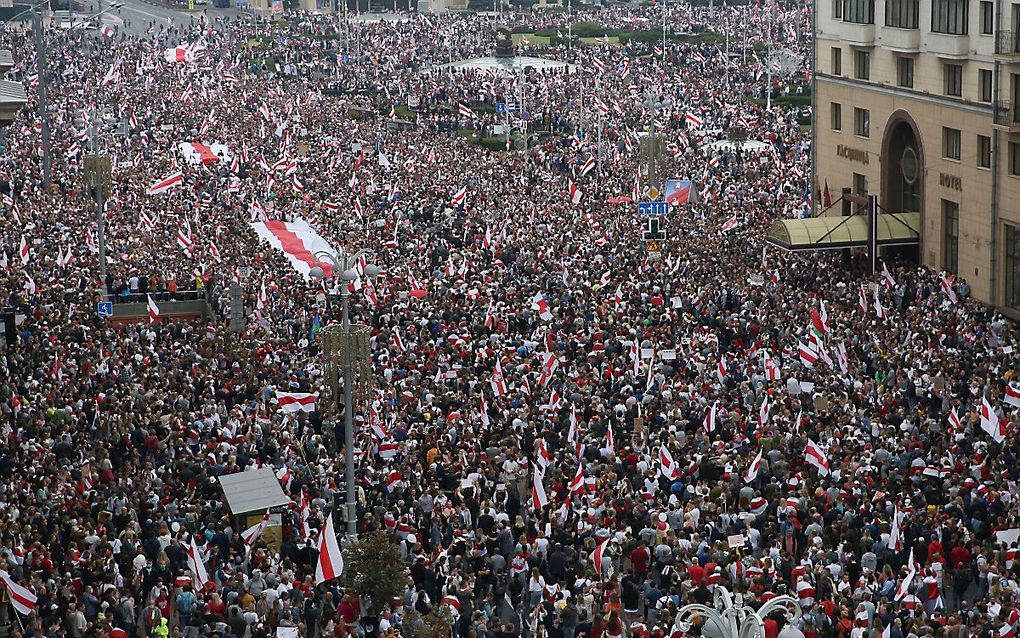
(105, 309)
(653, 208)
(500, 107)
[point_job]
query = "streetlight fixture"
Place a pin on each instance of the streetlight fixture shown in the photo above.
(350, 343)
(729, 617)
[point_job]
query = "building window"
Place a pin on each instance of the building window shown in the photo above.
(952, 76)
(837, 116)
(837, 61)
(901, 14)
(949, 16)
(862, 122)
(987, 18)
(1014, 158)
(862, 65)
(985, 84)
(950, 236)
(860, 184)
(1012, 251)
(984, 151)
(837, 9)
(905, 72)
(859, 11)
(950, 143)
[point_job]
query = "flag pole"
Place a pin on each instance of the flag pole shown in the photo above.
(18, 616)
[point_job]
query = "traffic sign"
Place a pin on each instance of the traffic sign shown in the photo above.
(652, 247)
(652, 232)
(653, 208)
(105, 309)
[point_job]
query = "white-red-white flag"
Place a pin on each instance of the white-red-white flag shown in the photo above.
(252, 534)
(990, 422)
(153, 308)
(753, 468)
(814, 455)
(196, 564)
(297, 401)
(330, 564)
(166, 183)
(22, 598)
(538, 496)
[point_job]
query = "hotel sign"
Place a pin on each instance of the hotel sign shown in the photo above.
(853, 154)
(950, 181)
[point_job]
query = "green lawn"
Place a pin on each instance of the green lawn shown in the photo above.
(611, 41)
(534, 40)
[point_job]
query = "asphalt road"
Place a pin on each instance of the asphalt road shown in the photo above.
(136, 15)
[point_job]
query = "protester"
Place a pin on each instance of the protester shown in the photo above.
(567, 434)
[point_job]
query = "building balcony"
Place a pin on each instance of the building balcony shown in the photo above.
(856, 34)
(901, 40)
(1007, 117)
(1007, 46)
(952, 46)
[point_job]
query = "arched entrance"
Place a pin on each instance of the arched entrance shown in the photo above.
(902, 173)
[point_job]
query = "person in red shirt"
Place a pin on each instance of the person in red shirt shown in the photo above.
(960, 556)
(935, 551)
(639, 559)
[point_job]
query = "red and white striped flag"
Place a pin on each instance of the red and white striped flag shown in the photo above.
(1012, 395)
(22, 598)
(330, 564)
(459, 197)
(166, 183)
(753, 468)
(153, 308)
(693, 120)
(538, 496)
(954, 421)
(297, 401)
(464, 110)
(710, 417)
(575, 193)
(816, 456)
(990, 422)
(196, 564)
(251, 535)
(498, 382)
(599, 557)
(808, 355)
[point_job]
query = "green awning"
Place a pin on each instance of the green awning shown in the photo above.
(832, 233)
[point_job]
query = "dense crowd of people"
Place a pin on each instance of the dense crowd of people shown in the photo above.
(567, 435)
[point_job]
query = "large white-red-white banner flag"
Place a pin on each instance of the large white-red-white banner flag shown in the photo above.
(298, 241)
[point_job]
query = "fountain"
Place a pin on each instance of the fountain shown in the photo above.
(503, 59)
(729, 617)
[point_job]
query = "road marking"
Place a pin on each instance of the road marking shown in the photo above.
(145, 13)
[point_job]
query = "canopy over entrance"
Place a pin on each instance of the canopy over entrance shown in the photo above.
(833, 233)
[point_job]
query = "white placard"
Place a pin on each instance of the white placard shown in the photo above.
(668, 355)
(1008, 536)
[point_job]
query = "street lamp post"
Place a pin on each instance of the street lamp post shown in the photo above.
(729, 617)
(346, 341)
(44, 116)
(41, 71)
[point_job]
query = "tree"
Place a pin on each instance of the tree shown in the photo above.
(375, 570)
(435, 624)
